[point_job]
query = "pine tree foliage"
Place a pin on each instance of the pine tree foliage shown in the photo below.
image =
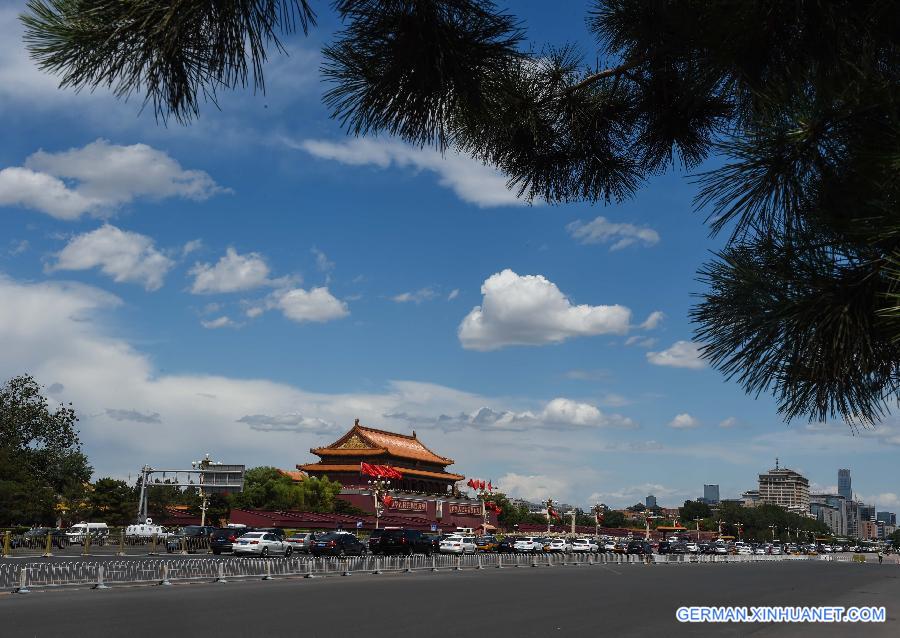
(796, 103)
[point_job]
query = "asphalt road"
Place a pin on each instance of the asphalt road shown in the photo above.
(617, 600)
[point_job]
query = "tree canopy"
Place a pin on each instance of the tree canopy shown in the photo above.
(796, 103)
(41, 462)
(269, 489)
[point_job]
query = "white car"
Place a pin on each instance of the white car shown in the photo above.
(261, 544)
(585, 545)
(720, 548)
(529, 544)
(457, 545)
(760, 550)
(693, 548)
(609, 546)
(743, 550)
(558, 545)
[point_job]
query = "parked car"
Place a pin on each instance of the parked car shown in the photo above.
(435, 542)
(261, 544)
(585, 545)
(609, 546)
(337, 544)
(222, 540)
(558, 545)
(663, 547)
(693, 548)
(458, 545)
(404, 541)
(507, 546)
(301, 541)
(486, 544)
(638, 547)
(375, 541)
(79, 532)
(529, 544)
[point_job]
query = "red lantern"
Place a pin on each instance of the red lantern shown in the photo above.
(388, 500)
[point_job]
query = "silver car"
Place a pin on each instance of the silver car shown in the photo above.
(261, 544)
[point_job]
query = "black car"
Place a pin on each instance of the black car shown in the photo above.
(375, 540)
(221, 540)
(664, 547)
(639, 547)
(337, 544)
(191, 538)
(404, 541)
(507, 546)
(435, 542)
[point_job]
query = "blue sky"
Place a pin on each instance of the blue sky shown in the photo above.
(249, 284)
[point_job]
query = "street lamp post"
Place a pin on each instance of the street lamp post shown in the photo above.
(598, 510)
(549, 515)
(379, 487)
(772, 526)
(647, 524)
(697, 521)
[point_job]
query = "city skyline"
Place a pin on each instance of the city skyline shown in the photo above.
(249, 285)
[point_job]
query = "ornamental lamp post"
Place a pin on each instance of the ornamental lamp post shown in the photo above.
(772, 527)
(379, 487)
(549, 515)
(598, 510)
(647, 524)
(697, 521)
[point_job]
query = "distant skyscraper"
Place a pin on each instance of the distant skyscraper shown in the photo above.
(650, 501)
(711, 494)
(844, 488)
(888, 518)
(866, 512)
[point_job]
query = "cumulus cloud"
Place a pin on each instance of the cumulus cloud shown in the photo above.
(123, 255)
(684, 421)
(557, 413)
(453, 294)
(531, 310)
(232, 273)
(315, 304)
(99, 178)
(287, 423)
(417, 297)
(219, 322)
(681, 354)
(133, 415)
(531, 487)
(729, 422)
(603, 231)
(469, 179)
(653, 320)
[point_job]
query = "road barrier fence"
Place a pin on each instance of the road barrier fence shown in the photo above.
(25, 576)
(116, 544)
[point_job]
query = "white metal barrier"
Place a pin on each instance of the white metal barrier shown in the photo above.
(101, 574)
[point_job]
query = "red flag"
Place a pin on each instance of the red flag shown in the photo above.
(366, 469)
(388, 500)
(471, 483)
(481, 485)
(490, 487)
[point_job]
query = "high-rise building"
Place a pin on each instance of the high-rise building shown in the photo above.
(888, 518)
(866, 512)
(831, 509)
(844, 486)
(711, 494)
(650, 502)
(786, 488)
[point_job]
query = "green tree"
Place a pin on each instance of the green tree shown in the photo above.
(692, 510)
(41, 463)
(112, 501)
(268, 488)
(799, 103)
(612, 518)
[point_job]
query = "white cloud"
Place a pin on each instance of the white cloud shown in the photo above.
(18, 247)
(603, 231)
(315, 304)
(681, 354)
(417, 297)
(322, 262)
(191, 247)
(219, 322)
(453, 294)
(883, 500)
(684, 421)
(98, 179)
(287, 423)
(231, 273)
(559, 413)
(653, 320)
(531, 310)
(125, 256)
(472, 181)
(729, 422)
(641, 341)
(532, 487)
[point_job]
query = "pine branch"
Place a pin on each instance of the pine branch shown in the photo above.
(614, 71)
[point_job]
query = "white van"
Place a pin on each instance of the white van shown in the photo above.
(77, 532)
